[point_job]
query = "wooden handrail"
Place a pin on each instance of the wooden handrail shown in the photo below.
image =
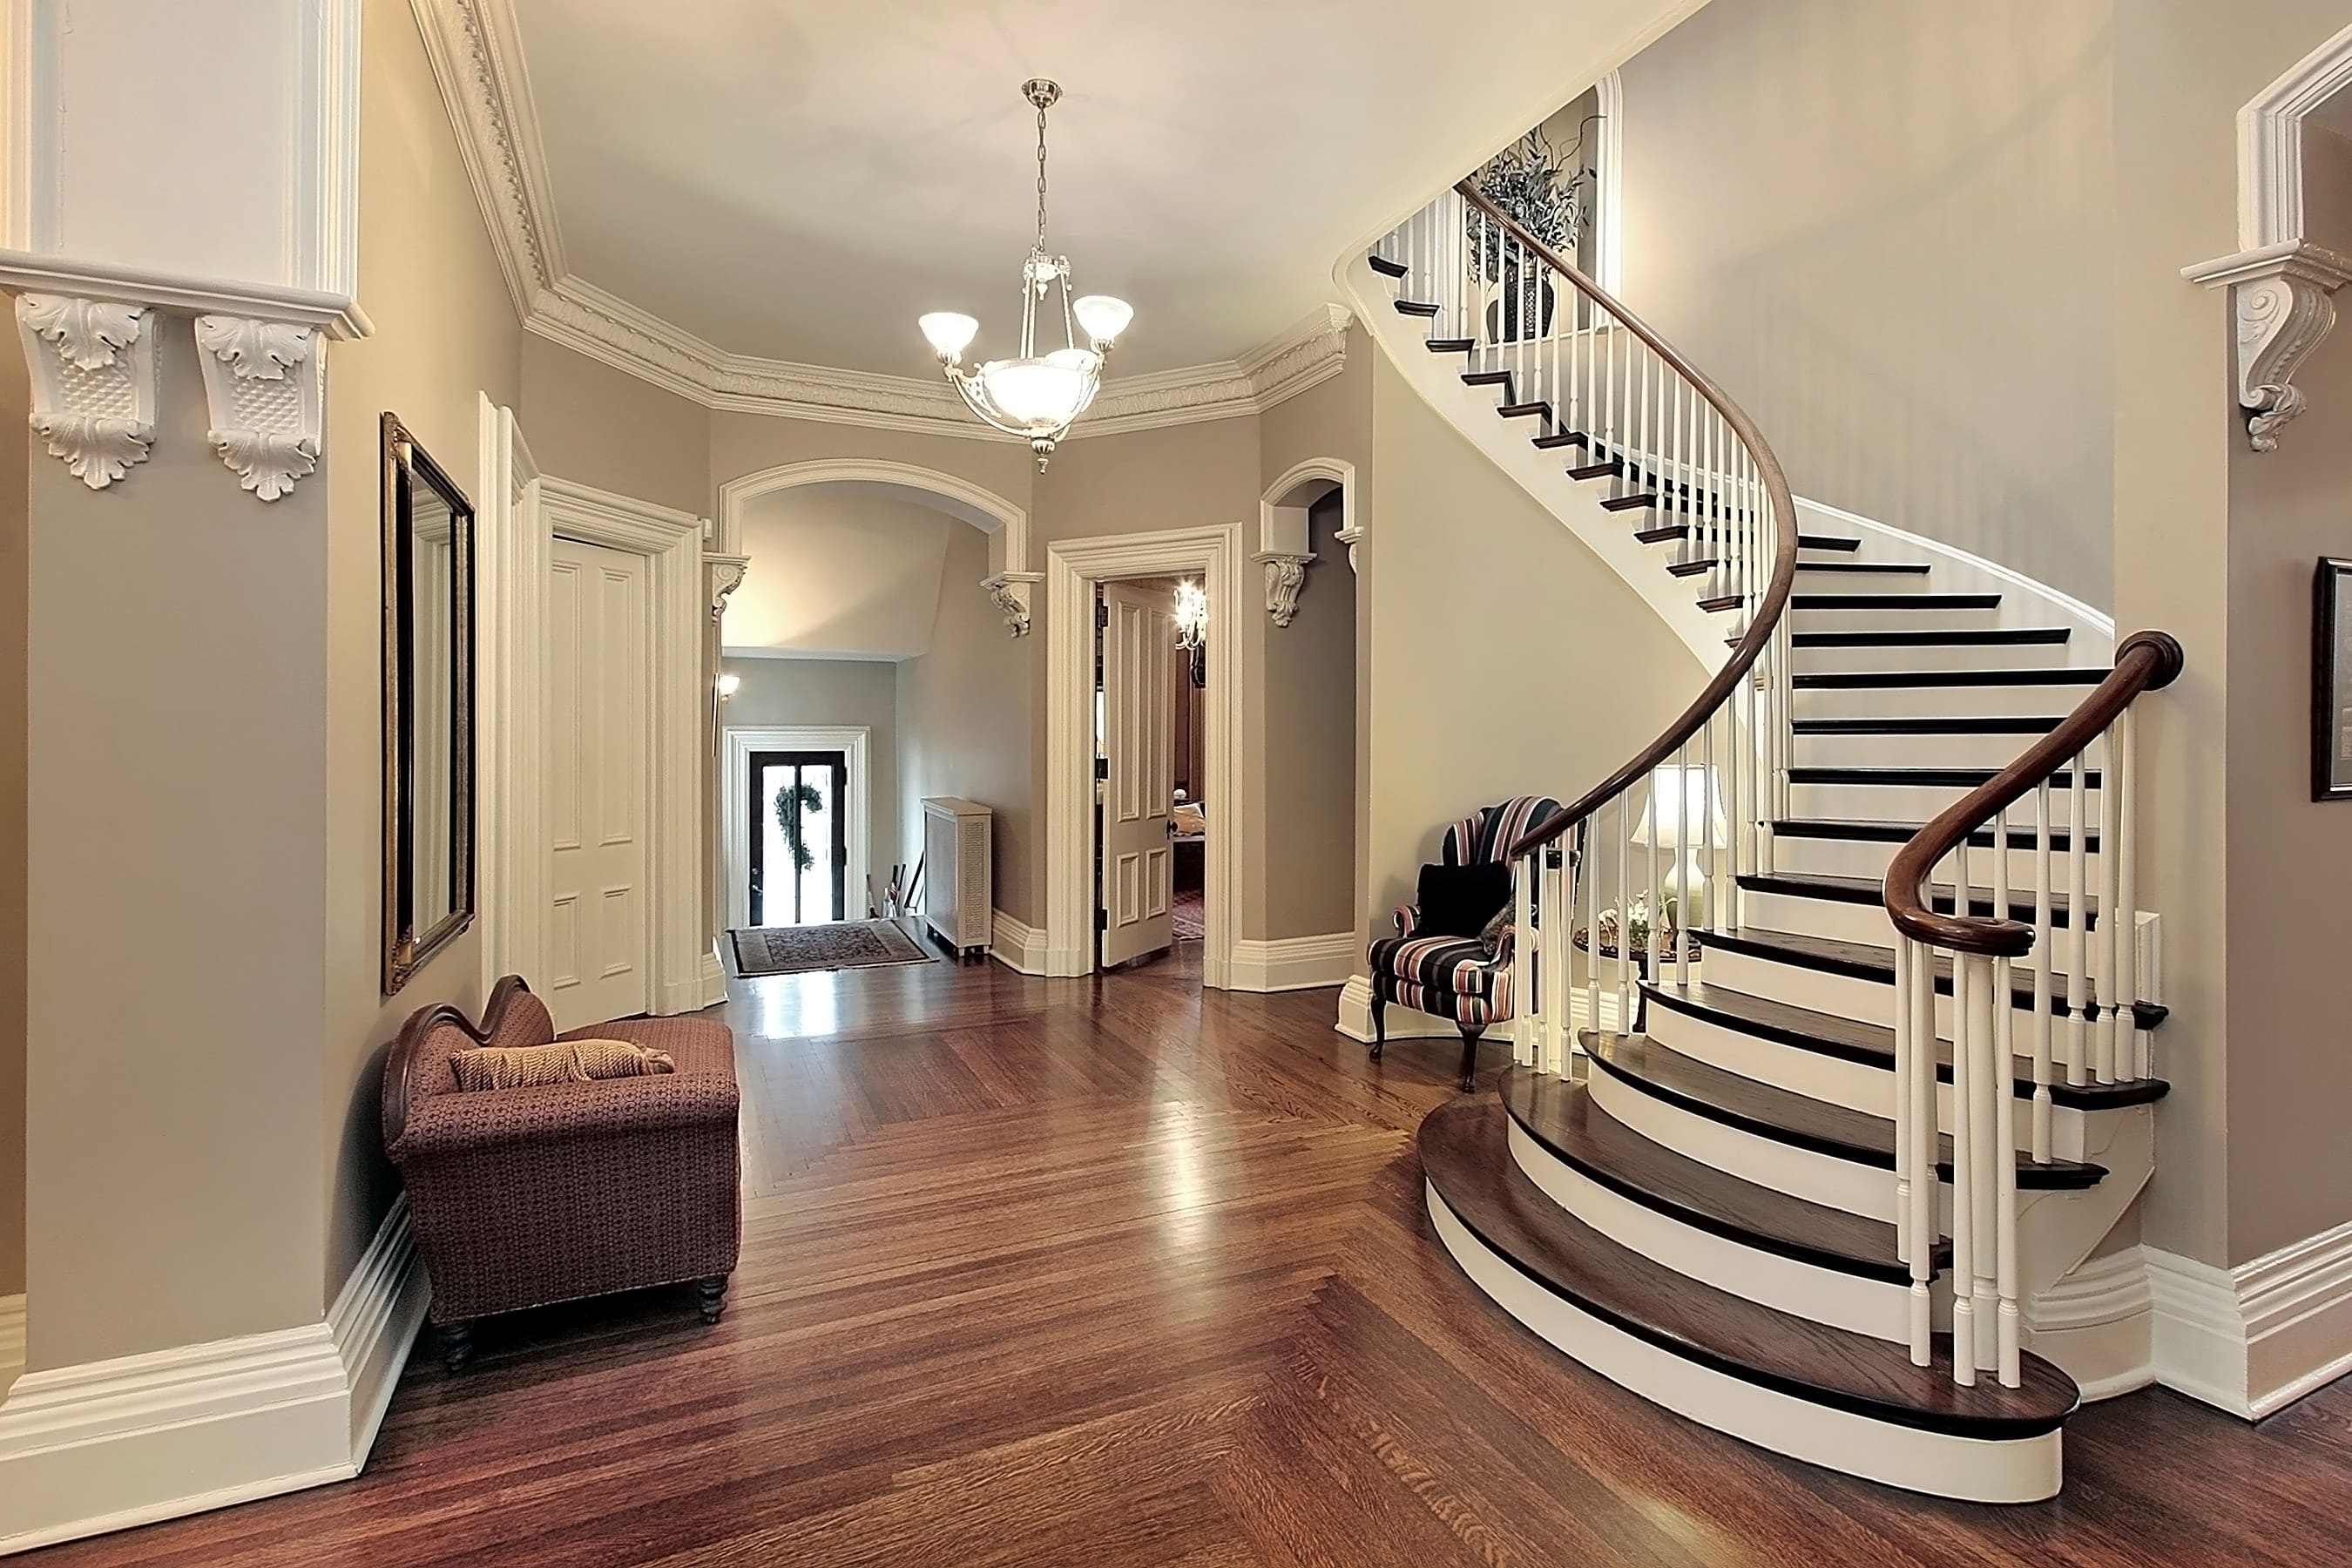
(1769, 608)
(2148, 661)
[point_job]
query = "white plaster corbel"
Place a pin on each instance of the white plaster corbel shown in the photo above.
(1011, 590)
(93, 381)
(2282, 298)
(1286, 574)
(264, 394)
(723, 574)
(1349, 536)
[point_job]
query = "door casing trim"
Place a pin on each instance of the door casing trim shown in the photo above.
(739, 744)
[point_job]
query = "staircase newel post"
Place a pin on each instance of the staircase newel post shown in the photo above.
(1964, 1186)
(1905, 1243)
(1919, 1133)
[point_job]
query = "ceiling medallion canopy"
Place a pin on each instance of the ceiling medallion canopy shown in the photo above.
(1034, 395)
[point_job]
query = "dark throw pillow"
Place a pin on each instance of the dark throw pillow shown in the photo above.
(1458, 901)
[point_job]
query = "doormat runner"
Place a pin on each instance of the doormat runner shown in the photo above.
(843, 944)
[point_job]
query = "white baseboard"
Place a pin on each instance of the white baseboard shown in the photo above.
(1293, 963)
(12, 1339)
(2254, 1339)
(1019, 947)
(109, 1444)
(2098, 1324)
(714, 978)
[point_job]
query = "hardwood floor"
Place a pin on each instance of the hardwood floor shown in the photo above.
(1049, 1272)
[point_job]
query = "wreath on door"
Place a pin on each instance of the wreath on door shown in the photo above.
(792, 802)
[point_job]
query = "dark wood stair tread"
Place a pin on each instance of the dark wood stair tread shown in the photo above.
(1798, 1120)
(1693, 568)
(1935, 636)
(1937, 778)
(1627, 503)
(1826, 542)
(1563, 438)
(1868, 568)
(1932, 724)
(1871, 890)
(1601, 470)
(1487, 378)
(1868, 962)
(1821, 679)
(1720, 602)
(1871, 1045)
(1894, 601)
(1465, 1156)
(1387, 268)
(1562, 1118)
(1417, 307)
(1654, 535)
(1862, 831)
(1451, 346)
(1522, 410)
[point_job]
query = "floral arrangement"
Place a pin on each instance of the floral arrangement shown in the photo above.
(1532, 183)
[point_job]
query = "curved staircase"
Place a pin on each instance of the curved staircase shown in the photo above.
(1804, 1178)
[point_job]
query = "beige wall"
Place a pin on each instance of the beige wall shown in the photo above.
(858, 693)
(1461, 645)
(965, 719)
(1875, 223)
(14, 450)
(445, 333)
(587, 422)
(836, 571)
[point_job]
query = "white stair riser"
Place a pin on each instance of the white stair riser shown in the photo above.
(1975, 701)
(1918, 803)
(1932, 656)
(1805, 853)
(1843, 995)
(1836, 1080)
(1847, 751)
(1878, 1308)
(1866, 1190)
(1897, 617)
(2017, 1470)
(1844, 922)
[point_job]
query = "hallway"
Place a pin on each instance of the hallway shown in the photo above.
(1051, 1272)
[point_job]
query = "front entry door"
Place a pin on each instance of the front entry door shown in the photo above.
(1138, 885)
(600, 705)
(799, 838)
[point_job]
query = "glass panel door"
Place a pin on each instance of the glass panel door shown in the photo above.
(799, 838)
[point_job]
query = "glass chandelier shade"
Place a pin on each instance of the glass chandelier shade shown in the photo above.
(1032, 395)
(1192, 614)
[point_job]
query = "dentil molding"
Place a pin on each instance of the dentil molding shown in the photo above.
(724, 574)
(1011, 592)
(264, 391)
(2282, 300)
(93, 381)
(1286, 574)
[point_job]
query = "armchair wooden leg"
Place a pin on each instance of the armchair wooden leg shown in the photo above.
(1380, 1023)
(457, 1345)
(713, 1295)
(1470, 1032)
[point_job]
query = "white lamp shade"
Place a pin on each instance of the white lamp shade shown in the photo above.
(950, 333)
(1686, 803)
(730, 683)
(1103, 316)
(1041, 393)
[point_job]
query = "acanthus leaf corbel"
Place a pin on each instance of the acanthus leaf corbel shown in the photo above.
(1286, 575)
(1012, 591)
(2282, 303)
(264, 394)
(93, 381)
(722, 574)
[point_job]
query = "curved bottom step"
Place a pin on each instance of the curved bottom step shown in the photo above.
(1795, 1387)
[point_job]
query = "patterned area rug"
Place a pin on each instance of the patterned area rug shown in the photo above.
(1186, 914)
(842, 944)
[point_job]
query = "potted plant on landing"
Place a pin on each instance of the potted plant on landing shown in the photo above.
(1533, 183)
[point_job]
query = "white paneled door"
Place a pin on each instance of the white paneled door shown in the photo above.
(1138, 865)
(600, 699)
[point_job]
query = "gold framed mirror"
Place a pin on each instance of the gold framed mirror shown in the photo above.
(428, 706)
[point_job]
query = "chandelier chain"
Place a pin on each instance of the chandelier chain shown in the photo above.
(1040, 177)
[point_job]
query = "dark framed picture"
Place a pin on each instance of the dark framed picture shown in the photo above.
(2331, 680)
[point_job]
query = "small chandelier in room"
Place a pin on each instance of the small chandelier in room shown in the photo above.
(1192, 627)
(1034, 395)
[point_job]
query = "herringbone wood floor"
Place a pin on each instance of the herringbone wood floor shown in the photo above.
(1049, 1272)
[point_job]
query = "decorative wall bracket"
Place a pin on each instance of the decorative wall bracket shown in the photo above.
(2282, 300)
(1286, 574)
(1011, 590)
(93, 381)
(264, 391)
(722, 574)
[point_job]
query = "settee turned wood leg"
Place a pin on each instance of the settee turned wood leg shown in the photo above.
(1380, 1023)
(1470, 1032)
(713, 1294)
(457, 1345)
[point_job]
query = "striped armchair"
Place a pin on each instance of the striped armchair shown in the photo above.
(1464, 979)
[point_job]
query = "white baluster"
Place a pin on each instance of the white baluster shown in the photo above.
(2078, 922)
(2121, 747)
(2046, 955)
(1621, 839)
(1527, 969)
(2109, 979)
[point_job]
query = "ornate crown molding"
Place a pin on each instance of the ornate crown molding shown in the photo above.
(93, 381)
(1286, 575)
(2282, 297)
(264, 393)
(722, 574)
(1012, 591)
(479, 64)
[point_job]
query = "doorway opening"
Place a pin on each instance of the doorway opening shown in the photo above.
(799, 870)
(1151, 814)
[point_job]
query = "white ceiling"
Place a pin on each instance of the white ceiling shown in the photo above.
(799, 180)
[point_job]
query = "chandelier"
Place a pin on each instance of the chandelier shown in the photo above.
(1193, 629)
(1034, 396)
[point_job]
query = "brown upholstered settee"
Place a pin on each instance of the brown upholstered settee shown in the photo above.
(522, 1198)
